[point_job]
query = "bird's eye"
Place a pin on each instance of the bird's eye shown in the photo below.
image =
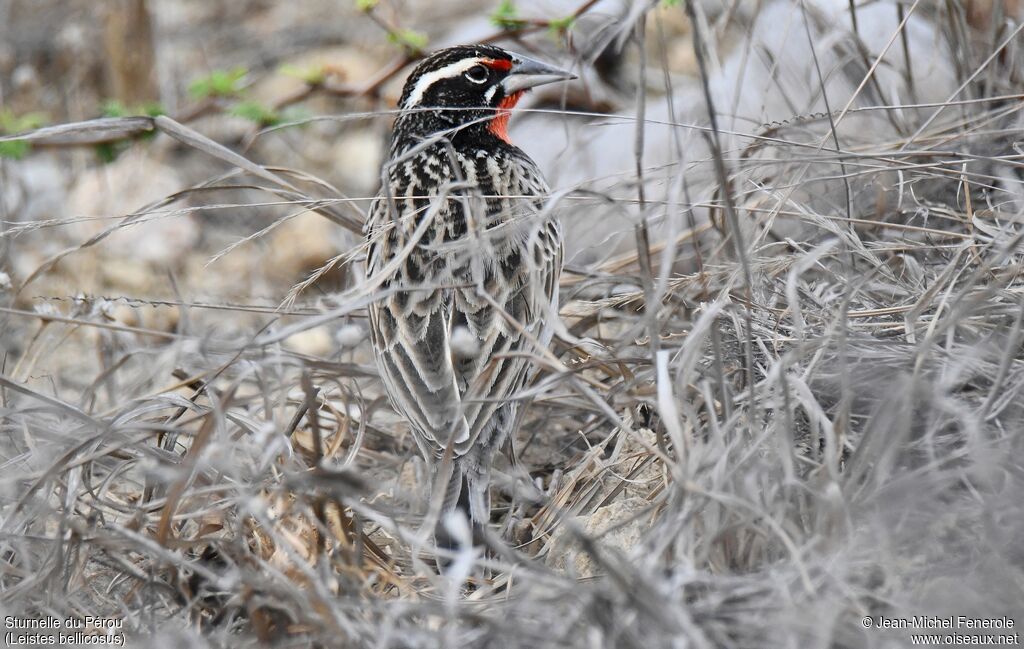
(477, 74)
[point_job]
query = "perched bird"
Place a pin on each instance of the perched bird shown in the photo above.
(465, 257)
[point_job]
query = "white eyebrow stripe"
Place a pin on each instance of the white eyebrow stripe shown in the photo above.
(427, 80)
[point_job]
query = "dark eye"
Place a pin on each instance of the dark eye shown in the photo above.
(477, 74)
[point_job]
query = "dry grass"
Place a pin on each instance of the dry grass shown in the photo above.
(818, 416)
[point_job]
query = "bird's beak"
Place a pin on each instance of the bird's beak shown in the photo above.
(528, 73)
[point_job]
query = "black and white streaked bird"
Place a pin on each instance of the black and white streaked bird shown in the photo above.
(466, 257)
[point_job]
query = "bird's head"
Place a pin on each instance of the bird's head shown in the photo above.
(468, 90)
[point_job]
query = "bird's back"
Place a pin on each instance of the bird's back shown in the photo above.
(469, 257)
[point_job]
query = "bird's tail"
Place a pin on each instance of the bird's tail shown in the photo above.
(475, 485)
(466, 491)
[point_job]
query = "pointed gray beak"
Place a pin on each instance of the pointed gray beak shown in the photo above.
(529, 73)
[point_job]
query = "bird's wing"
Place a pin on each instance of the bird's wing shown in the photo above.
(497, 282)
(411, 335)
(504, 310)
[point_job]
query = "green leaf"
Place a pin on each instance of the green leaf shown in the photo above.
(366, 5)
(506, 16)
(558, 26)
(256, 112)
(219, 83)
(669, 3)
(107, 152)
(314, 75)
(410, 39)
(113, 108)
(16, 150)
(152, 109)
(11, 124)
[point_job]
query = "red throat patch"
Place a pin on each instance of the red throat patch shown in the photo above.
(499, 125)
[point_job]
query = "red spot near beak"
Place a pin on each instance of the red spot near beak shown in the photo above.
(499, 125)
(498, 64)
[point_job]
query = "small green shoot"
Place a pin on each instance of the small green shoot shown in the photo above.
(260, 114)
(219, 83)
(559, 26)
(506, 16)
(413, 41)
(11, 124)
(313, 75)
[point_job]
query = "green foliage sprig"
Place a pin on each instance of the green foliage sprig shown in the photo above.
(559, 26)
(506, 16)
(410, 39)
(11, 124)
(313, 75)
(219, 83)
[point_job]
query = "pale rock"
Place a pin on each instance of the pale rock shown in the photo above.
(34, 187)
(300, 245)
(122, 314)
(97, 274)
(632, 453)
(349, 335)
(358, 155)
(155, 318)
(311, 342)
(111, 192)
(614, 527)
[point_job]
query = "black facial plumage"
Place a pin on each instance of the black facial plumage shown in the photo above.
(455, 91)
(459, 90)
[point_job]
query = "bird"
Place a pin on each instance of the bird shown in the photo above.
(464, 257)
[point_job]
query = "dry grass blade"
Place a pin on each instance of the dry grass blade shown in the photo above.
(94, 131)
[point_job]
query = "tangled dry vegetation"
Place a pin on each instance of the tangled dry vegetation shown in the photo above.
(805, 405)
